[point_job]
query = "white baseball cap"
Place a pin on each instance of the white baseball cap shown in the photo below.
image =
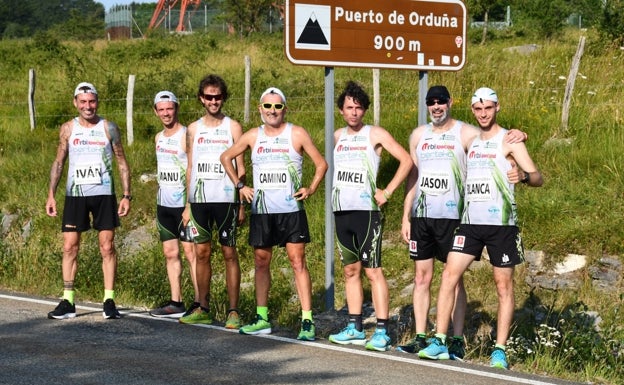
(85, 88)
(273, 90)
(482, 94)
(165, 96)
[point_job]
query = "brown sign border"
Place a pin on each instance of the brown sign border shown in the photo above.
(365, 57)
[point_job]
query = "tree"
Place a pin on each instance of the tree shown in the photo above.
(80, 26)
(611, 23)
(245, 16)
(548, 17)
(483, 7)
(23, 18)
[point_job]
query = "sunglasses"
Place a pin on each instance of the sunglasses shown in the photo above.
(439, 101)
(277, 106)
(209, 97)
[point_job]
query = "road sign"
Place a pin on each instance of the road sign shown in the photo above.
(402, 34)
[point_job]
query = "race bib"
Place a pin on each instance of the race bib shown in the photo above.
(432, 183)
(351, 178)
(170, 176)
(273, 178)
(479, 189)
(87, 173)
(210, 170)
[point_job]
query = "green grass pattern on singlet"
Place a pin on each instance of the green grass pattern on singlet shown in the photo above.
(336, 199)
(108, 169)
(199, 195)
(503, 189)
(421, 206)
(260, 203)
(370, 175)
(182, 168)
(459, 182)
(295, 180)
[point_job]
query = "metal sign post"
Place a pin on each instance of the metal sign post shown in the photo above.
(419, 35)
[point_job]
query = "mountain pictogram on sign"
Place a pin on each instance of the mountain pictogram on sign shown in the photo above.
(313, 27)
(312, 33)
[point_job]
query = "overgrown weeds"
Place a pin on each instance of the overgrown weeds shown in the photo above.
(578, 210)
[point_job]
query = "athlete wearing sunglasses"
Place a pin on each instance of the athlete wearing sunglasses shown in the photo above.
(214, 200)
(278, 217)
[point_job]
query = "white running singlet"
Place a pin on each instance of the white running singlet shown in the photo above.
(277, 173)
(441, 174)
(90, 161)
(209, 182)
(489, 195)
(355, 172)
(172, 161)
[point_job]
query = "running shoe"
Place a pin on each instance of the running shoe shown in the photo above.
(259, 326)
(110, 310)
(168, 310)
(414, 346)
(498, 359)
(308, 331)
(349, 335)
(233, 320)
(63, 310)
(198, 316)
(457, 349)
(191, 309)
(379, 341)
(435, 351)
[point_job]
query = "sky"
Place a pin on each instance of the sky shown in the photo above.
(109, 3)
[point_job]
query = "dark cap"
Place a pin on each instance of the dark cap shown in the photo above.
(438, 92)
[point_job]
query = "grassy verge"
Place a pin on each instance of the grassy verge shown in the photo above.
(577, 211)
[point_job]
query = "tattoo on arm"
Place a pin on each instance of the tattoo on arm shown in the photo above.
(61, 155)
(113, 131)
(124, 169)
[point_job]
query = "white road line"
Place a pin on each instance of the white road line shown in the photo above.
(432, 364)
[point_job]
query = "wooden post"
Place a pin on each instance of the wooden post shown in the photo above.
(247, 87)
(129, 104)
(31, 98)
(570, 84)
(376, 97)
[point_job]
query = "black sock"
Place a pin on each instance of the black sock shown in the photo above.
(357, 320)
(382, 323)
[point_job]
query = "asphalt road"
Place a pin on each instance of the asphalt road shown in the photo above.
(139, 349)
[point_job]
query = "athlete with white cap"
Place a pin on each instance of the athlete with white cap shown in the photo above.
(172, 162)
(278, 217)
(489, 219)
(89, 143)
(433, 206)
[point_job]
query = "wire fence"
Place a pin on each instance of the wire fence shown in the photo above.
(122, 21)
(396, 109)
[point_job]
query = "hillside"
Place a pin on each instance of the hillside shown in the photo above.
(577, 211)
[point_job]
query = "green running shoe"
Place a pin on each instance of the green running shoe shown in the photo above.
(233, 320)
(198, 316)
(308, 331)
(259, 326)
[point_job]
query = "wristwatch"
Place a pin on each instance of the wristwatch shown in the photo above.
(240, 184)
(128, 197)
